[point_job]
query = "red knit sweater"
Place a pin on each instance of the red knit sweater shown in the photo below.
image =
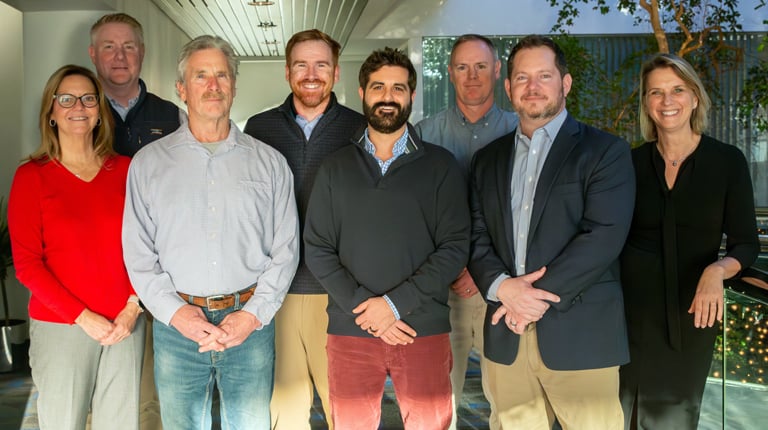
(66, 239)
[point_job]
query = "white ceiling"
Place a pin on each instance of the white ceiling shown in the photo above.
(260, 29)
(354, 23)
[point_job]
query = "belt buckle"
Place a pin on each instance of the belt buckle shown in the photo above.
(210, 299)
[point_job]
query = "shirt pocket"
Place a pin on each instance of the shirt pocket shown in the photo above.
(254, 200)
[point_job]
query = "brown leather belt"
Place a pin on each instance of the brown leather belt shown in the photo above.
(220, 301)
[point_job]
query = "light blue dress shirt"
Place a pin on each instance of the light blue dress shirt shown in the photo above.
(207, 223)
(530, 156)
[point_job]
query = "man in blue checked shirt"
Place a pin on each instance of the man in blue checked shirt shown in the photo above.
(210, 238)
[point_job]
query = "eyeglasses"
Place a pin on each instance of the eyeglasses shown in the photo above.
(68, 100)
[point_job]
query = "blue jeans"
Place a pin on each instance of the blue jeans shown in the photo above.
(185, 379)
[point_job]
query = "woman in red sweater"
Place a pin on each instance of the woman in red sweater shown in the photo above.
(65, 217)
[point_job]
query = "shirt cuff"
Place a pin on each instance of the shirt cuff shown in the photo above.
(495, 287)
(392, 306)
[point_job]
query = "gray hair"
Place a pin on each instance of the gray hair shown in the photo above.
(206, 42)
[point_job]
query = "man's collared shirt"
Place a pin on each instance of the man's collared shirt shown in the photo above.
(207, 223)
(530, 156)
(122, 110)
(451, 130)
(307, 126)
(397, 150)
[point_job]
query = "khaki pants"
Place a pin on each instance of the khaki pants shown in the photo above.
(300, 361)
(149, 405)
(467, 317)
(528, 395)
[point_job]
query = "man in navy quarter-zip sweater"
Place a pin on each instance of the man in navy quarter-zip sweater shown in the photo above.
(308, 126)
(386, 233)
(117, 52)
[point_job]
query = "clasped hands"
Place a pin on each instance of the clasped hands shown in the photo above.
(376, 317)
(108, 332)
(191, 322)
(521, 302)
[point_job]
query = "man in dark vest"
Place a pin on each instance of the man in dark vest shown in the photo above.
(117, 51)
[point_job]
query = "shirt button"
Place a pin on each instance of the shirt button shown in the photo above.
(213, 208)
(213, 263)
(525, 207)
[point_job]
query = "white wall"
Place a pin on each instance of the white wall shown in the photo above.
(41, 58)
(11, 113)
(262, 85)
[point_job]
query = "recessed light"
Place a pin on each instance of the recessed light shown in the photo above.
(261, 3)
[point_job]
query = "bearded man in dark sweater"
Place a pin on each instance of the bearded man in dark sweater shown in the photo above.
(308, 126)
(386, 233)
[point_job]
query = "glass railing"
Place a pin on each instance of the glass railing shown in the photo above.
(736, 394)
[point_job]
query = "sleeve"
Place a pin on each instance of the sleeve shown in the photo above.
(25, 224)
(609, 200)
(740, 225)
(152, 284)
(321, 246)
(485, 264)
(451, 238)
(274, 281)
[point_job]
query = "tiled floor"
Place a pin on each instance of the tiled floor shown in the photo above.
(745, 405)
(18, 397)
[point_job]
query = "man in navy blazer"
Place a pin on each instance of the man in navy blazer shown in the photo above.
(551, 207)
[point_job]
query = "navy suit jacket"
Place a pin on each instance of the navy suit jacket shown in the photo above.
(581, 216)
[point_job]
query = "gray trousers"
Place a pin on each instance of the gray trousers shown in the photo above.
(74, 374)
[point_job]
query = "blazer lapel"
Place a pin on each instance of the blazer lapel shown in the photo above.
(564, 143)
(504, 163)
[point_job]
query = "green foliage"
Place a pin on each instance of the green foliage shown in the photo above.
(597, 97)
(744, 357)
(753, 102)
(695, 15)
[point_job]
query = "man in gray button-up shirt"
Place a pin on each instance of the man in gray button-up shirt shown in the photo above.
(473, 122)
(210, 240)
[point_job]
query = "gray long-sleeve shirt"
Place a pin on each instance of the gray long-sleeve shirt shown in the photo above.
(206, 223)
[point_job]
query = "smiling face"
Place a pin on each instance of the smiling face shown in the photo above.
(668, 100)
(311, 74)
(535, 87)
(209, 87)
(117, 54)
(473, 72)
(387, 99)
(77, 120)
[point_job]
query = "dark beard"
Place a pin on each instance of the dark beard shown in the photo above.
(387, 123)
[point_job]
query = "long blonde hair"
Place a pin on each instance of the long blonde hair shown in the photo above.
(49, 148)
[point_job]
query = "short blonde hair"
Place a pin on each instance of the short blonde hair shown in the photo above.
(49, 148)
(686, 72)
(119, 18)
